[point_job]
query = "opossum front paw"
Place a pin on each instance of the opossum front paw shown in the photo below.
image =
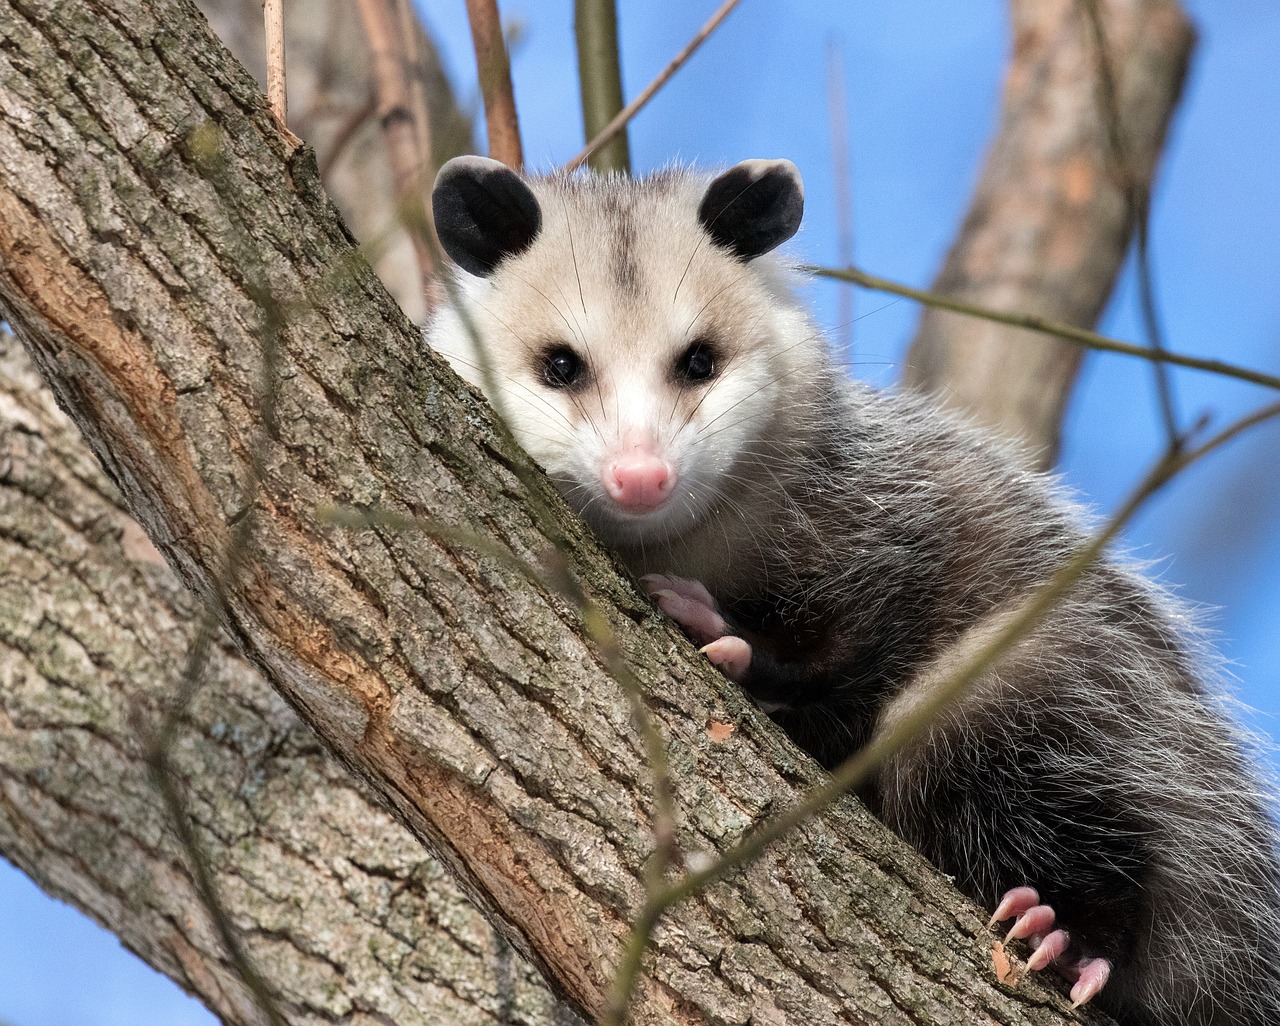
(1035, 922)
(690, 605)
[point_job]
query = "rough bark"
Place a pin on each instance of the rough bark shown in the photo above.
(1049, 224)
(154, 232)
(340, 906)
(61, 525)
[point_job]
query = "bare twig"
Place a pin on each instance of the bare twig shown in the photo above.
(494, 67)
(401, 125)
(273, 16)
(842, 174)
(856, 770)
(1080, 336)
(595, 24)
(1137, 195)
(624, 116)
(345, 133)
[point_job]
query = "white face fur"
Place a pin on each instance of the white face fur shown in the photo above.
(620, 335)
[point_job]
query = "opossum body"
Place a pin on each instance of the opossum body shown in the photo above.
(839, 549)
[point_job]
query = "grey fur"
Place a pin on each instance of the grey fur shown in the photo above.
(861, 540)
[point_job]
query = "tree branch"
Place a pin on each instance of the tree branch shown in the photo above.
(336, 902)
(494, 68)
(595, 24)
(1049, 225)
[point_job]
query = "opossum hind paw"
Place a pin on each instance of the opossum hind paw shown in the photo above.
(1036, 923)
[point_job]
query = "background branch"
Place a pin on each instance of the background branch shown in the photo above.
(595, 23)
(494, 67)
(1049, 225)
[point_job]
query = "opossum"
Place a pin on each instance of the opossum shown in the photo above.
(837, 549)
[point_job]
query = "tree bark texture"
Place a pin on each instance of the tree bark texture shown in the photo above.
(1049, 224)
(340, 906)
(158, 240)
(331, 106)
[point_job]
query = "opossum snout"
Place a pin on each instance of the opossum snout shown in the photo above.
(639, 480)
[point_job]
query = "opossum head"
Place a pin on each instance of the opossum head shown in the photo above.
(634, 333)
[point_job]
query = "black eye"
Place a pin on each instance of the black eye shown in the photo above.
(562, 367)
(697, 363)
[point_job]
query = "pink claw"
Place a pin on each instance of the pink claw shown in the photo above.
(732, 655)
(1036, 921)
(690, 605)
(1050, 948)
(700, 622)
(1094, 973)
(1014, 903)
(683, 586)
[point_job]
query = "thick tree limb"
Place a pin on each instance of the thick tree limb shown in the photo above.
(1048, 228)
(340, 908)
(152, 221)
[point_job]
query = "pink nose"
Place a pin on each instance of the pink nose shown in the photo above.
(639, 481)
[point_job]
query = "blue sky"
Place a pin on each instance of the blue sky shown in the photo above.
(923, 82)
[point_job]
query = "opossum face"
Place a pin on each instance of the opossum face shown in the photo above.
(626, 330)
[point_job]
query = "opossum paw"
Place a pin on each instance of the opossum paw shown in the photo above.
(689, 604)
(732, 655)
(1036, 922)
(1092, 976)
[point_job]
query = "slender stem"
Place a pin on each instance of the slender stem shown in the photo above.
(273, 17)
(620, 121)
(494, 66)
(842, 174)
(1081, 336)
(595, 24)
(1138, 197)
(401, 130)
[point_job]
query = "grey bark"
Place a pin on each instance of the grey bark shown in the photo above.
(339, 905)
(1049, 225)
(90, 617)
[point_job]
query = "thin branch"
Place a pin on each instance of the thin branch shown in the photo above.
(856, 770)
(624, 116)
(1138, 197)
(415, 72)
(351, 124)
(273, 16)
(595, 25)
(842, 175)
(401, 129)
(494, 66)
(1080, 336)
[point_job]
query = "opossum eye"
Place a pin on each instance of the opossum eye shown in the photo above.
(562, 367)
(697, 363)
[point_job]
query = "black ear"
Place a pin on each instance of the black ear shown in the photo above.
(484, 213)
(754, 206)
